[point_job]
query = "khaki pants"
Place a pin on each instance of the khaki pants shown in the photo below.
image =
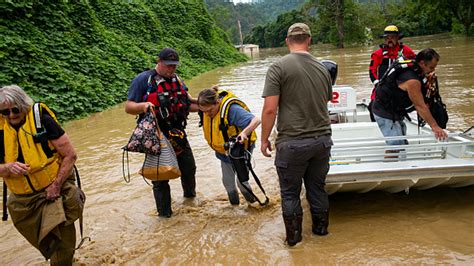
(65, 252)
(49, 225)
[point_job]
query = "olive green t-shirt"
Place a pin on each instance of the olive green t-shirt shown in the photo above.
(304, 86)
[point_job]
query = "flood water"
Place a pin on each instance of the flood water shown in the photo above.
(424, 227)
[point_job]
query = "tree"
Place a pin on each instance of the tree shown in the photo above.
(329, 11)
(338, 7)
(343, 22)
(461, 10)
(250, 15)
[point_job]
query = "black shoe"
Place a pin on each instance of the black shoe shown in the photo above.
(293, 226)
(321, 223)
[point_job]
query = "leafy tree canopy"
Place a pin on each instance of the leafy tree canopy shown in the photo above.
(250, 15)
(364, 21)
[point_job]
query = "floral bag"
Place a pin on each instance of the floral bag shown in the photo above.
(144, 138)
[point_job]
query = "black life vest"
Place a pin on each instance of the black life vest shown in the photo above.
(390, 96)
(171, 101)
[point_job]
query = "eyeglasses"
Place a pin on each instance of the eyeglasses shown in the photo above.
(391, 36)
(6, 112)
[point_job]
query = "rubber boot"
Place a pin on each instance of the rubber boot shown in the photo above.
(293, 226)
(162, 195)
(321, 223)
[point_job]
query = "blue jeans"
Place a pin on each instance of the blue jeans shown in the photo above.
(391, 128)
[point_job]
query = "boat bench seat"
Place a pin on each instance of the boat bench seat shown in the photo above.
(348, 131)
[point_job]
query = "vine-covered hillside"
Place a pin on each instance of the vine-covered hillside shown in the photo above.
(80, 56)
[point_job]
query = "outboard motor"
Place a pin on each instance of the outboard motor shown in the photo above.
(331, 66)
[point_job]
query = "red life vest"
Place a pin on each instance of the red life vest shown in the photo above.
(170, 98)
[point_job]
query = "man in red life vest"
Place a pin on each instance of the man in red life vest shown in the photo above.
(389, 51)
(162, 89)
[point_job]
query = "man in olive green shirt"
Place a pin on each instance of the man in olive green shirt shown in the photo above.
(297, 88)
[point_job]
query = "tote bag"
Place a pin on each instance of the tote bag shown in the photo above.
(163, 166)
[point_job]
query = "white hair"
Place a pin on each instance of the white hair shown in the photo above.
(16, 96)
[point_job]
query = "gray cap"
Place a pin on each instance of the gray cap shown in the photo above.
(298, 29)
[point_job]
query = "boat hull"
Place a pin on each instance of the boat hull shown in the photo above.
(400, 176)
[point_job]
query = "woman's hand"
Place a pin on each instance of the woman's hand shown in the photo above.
(53, 191)
(242, 137)
(17, 168)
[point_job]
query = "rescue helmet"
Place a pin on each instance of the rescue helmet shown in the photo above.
(391, 29)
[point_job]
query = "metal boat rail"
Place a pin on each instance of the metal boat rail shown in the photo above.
(408, 137)
(420, 147)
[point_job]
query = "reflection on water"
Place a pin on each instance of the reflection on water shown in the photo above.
(434, 226)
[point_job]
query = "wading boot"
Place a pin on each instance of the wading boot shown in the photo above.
(293, 226)
(321, 223)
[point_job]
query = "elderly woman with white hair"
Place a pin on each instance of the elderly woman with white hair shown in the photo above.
(37, 167)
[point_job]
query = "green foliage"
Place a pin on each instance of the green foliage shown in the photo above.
(462, 12)
(364, 21)
(419, 17)
(250, 16)
(80, 56)
(274, 34)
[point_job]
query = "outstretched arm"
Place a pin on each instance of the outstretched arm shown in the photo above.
(413, 87)
(249, 129)
(193, 107)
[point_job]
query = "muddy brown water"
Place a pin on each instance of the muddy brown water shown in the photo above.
(424, 227)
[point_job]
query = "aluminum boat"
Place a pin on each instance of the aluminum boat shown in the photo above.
(361, 161)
